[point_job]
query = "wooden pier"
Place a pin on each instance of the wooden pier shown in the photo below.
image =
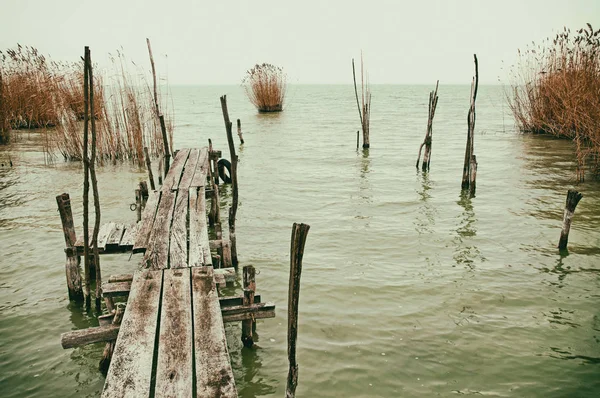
(171, 339)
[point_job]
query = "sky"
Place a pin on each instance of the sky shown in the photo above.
(216, 42)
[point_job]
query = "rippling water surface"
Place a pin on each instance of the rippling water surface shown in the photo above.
(408, 288)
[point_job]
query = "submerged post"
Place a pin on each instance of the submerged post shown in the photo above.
(433, 99)
(149, 167)
(234, 182)
(299, 234)
(249, 290)
(110, 346)
(573, 198)
(468, 178)
(239, 131)
(73, 260)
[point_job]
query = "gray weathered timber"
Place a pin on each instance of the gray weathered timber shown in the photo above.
(249, 283)
(116, 289)
(145, 226)
(72, 269)
(174, 175)
(202, 170)
(113, 240)
(199, 245)
(214, 377)
(129, 235)
(131, 369)
(174, 374)
(103, 234)
(81, 337)
(178, 250)
(120, 278)
(228, 273)
(189, 169)
(573, 198)
(247, 316)
(157, 254)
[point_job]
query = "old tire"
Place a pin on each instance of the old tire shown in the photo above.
(223, 164)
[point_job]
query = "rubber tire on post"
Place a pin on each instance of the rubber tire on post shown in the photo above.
(223, 164)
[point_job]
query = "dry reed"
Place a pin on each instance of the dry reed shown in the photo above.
(265, 86)
(556, 90)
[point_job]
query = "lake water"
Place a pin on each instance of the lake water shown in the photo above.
(408, 288)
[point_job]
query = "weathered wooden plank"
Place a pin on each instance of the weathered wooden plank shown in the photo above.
(228, 273)
(220, 280)
(174, 373)
(116, 289)
(249, 316)
(178, 247)
(233, 301)
(174, 175)
(189, 169)
(103, 233)
(129, 235)
(248, 310)
(79, 242)
(157, 253)
(145, 226)
(81, 337)
(114, 238)
(120, 278)
(199, 179)
(131, 368)
(214, 377)
(199, 246)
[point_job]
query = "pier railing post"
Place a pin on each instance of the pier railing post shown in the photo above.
(249, 290)
(573, 198)
(299, 234)
(149, 167)
(73, 261)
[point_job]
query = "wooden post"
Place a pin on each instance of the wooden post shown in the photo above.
(166, 143)
(473, 176)
(159, 115)
(86, 181)
(138, 205)
(249, 290)
(73, 260)
(468, 180)
(234, 183)
(357, 139)
(239, 129)
(4, 126)
(573, 198)
(433, 98)
(110, 346)
(160, 175)
(92, 171)
(144, 194)
(299, 234)
(149, 167)
(212, 160)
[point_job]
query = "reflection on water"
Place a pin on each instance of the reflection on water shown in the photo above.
(254, 384)
(466, 253)
(425, 219)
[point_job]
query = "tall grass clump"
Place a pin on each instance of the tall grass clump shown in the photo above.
(265, 86)
(556, 90)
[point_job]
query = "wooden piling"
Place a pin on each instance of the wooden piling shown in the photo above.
(73, 260)
(234, 181)
(433, 99)
(212, 159)
(86, 181)
(149, 167)
(249, 274)
(299, 234)
(110, 346)
(4, 127)
(468, 178)
(239, 131)
(573, 198)
(138, 205)
(364, 111)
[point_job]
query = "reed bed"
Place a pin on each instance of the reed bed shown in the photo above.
(265, 86)
(556, 90)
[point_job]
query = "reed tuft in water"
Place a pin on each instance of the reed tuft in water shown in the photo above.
(556, 90)
(265, 86)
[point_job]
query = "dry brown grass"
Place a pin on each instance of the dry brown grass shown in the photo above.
(556, 90)
(265, 86)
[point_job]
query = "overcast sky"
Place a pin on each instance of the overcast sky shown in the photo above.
(215, 42)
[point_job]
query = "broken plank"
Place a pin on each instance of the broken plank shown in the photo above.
(120, 278)
(247, 311)
(128, 238)
(174, 374)
(116, 289)
(178, 250)
(189, 170)
(199, 246)
(248, 316)
(103, 233)
(130, 371)
(157, 253)
(91, 335)
(214, 377)
(79, 242)
(174, 175)
(145, 225)
(114, 238)
(201, 172)
(233, 301)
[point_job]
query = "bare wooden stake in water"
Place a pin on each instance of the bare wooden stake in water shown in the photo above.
(86, 180)
(249, 290)
(234, 182)
(92, 171)
(73, 260)
(161, 119)
(468, 178)
(364, 111)
(4, 134)
(433, 99)
(239, 130)
(110, 346)
(573, 198)
(149, 167)
(299, 234)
